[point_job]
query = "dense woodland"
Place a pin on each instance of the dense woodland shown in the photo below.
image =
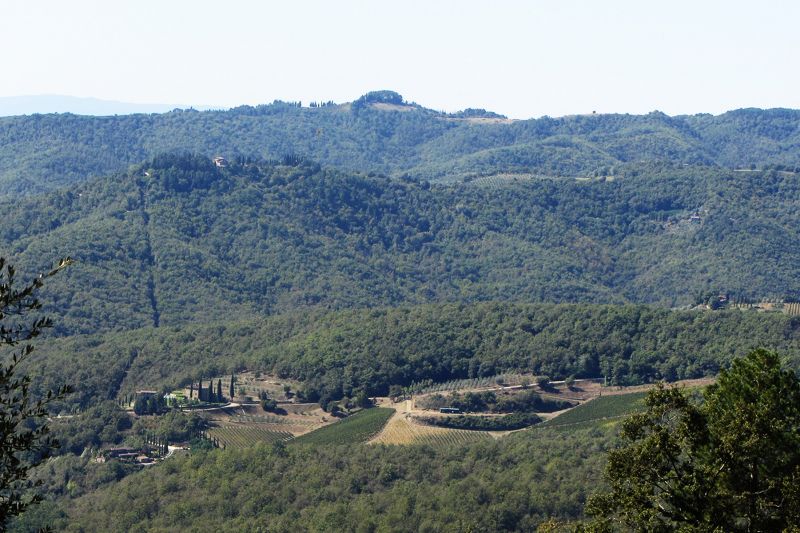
(178, 240)
(511, 484)
(338, 354)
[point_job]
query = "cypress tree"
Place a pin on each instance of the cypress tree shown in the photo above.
(231, 390)
(191, 390)
(219, 390)
(211, 390)
(200, 390)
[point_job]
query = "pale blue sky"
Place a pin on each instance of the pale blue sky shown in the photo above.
(522, 59)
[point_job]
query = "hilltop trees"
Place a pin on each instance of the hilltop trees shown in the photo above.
(729, 463)
(378, 97)
(24, 436)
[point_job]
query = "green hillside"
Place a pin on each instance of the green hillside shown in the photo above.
(178, 240)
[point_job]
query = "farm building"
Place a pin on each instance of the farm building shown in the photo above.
(145, 394)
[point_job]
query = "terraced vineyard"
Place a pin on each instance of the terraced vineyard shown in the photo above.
(246, 436)
(597, 410)
(474, 383)
(354, 429)
(269, 419)
(400, 431)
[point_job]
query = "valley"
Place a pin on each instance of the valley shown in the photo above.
(437, 332)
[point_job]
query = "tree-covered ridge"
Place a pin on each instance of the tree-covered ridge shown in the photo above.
(179, 240)
(381, 133)
(339, 354)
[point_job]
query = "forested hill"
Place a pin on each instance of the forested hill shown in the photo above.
(180, 240)
(381, 133)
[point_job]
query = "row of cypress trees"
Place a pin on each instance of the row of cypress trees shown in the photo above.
(209, 394)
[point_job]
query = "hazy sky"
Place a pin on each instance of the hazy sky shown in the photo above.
(520, 58)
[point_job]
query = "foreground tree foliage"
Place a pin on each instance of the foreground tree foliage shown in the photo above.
(24, 438)
(730, 462)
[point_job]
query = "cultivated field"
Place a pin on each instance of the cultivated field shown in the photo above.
(246, 436)
(597, 410)
(354, 429)
(402, 431)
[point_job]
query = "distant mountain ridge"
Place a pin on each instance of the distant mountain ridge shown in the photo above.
(384, 134)
(57, 103)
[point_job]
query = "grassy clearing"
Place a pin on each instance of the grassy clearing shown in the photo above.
(246, 436)
(598, 410)
(359, 427)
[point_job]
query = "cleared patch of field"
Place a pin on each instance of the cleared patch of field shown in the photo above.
(498, 180)
(354, 429)
(256, 383)
(246, 436)
(383, 106)
(296, 419)
(481, 120)
(401, 431)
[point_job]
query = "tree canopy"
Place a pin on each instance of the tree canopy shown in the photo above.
(24, 438)
(178, 240)
(728, 460)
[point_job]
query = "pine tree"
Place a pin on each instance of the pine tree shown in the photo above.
(730, 462)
